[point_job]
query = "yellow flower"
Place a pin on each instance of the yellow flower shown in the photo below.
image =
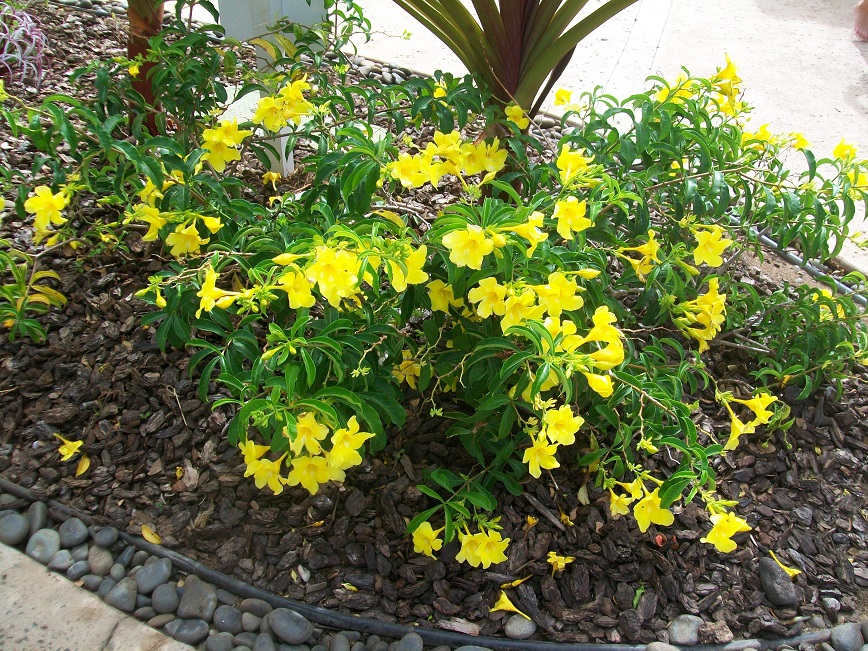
(467, 247)
(516, 115)
(336, 273)
(495, 157)
(619, 504)
(409, 171)
(844, 151)
(571, 163)
(68, 449)
(45, 208)
(251, 451)
(426, 540)
(310, 472)
(503, 603)
(519, 309)
(185, 240)
(210, 296)
(710, 244)
(150, 216)
(558, 563)
(309, 433)
(758, 405)
(408, 370)
(133, 70)
(490, 295)
(271, 177)
(442, 296)
(269, 114)
(540, 455)
(559, 294)
(793, 572)
(414, 263)
(346, 443)
(563, 97)
(602, 384)
(726, 525)
(648, 511)
(291, 101)
(220, 143)
(561, 426)
(531, 231)
(571, 217)
(648, 251)
(266, 472)
(482, 549)
(727, 79)
(297, 289)
(737, 428)
(799, 140)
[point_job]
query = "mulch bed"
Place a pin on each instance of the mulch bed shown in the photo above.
(160, 457)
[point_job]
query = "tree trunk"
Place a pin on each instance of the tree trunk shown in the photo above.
(146, 20)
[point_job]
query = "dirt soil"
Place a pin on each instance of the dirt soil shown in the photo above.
(160, 457)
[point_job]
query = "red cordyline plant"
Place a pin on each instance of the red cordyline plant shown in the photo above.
(22, 45)
(513, 46)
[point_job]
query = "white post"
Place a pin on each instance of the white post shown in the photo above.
(245, 19)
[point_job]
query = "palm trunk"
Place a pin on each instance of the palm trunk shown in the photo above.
(146, 20)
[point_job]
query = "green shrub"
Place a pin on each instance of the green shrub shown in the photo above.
(554, 314)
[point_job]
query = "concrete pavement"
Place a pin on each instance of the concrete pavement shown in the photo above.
(43, 611)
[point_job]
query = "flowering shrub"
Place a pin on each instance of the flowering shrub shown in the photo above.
(554, 314)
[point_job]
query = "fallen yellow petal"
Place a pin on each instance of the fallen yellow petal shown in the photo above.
(150, 535)
(83, 466)
(516, 583)
(505, 604)
(789, 570)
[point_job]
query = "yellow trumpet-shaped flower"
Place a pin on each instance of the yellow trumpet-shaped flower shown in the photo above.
(426, 539)
(521, 308)
(311, 472)
(504, 603)
(442, 296)
(68, 449)
(251, 451)
(561, 425)
(570, 214)
(710, 245)
(726, 525)
(571, 163)
(557, 562)
(758, 405)
(540, 455)
(346, 443)
(482, 549)
(468, 247)
(491, 297)
(266, 472)
(648, 511)
(184, 240)
(516, 115)
(619, 504)
(559, 294)
(308, 434)
(563, 97)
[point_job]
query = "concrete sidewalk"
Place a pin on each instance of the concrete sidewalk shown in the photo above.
(43, 611)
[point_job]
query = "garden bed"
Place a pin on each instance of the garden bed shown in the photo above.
(160, 457)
